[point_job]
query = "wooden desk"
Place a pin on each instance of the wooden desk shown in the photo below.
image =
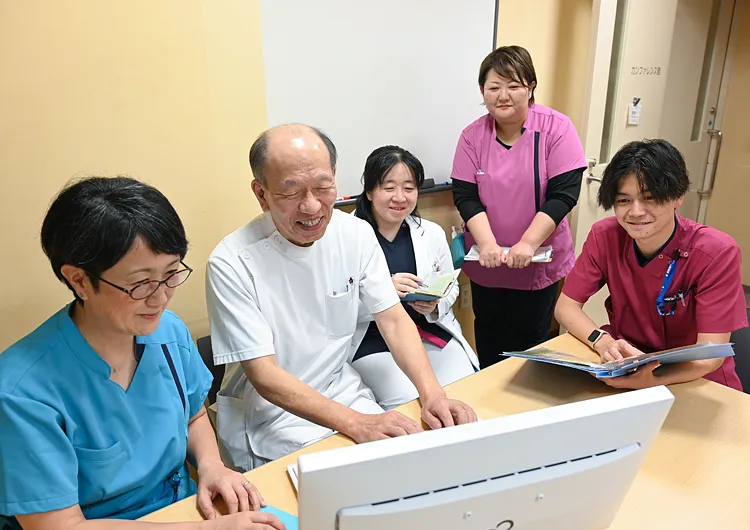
(696, 476)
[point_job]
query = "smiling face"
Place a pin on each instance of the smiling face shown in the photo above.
(506, 99)
(300, 187)
(395, 197)
(647, 221)
(114, 311)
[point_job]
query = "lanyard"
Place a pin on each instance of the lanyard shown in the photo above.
(671, 268)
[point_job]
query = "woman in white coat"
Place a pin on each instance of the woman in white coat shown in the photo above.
(413, 248)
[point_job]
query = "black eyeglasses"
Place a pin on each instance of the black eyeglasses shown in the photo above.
(146, 289)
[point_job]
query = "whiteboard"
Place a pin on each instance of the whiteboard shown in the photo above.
(368, 74)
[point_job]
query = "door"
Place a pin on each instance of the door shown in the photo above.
(728, 199)
(630, 52)
(663, 60)
(696, 67)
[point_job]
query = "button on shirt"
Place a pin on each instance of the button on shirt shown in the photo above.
(69, 435)
(708, 274)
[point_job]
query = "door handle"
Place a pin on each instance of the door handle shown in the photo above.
(591, 163)
(716, 133)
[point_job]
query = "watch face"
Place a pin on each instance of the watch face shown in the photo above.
(594, 335)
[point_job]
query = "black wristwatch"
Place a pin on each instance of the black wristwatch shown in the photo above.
(595, 336)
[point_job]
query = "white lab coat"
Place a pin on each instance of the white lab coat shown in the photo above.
(267, 296)
(432, 254)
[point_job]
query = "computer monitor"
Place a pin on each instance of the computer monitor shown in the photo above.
(563, 468)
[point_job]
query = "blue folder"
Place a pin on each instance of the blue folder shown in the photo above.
(625, 366)
(289, 520)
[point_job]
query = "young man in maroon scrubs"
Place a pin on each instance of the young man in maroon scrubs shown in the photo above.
(672, 282)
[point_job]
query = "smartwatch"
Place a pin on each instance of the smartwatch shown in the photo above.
(595, 336)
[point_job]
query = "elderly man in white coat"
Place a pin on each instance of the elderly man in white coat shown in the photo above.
(283, 294)
(415, 249)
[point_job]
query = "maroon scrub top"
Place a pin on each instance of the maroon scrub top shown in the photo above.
(708, 274)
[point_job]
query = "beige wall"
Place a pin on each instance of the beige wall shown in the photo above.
(170, 92)
(556, 33)
(727, 206)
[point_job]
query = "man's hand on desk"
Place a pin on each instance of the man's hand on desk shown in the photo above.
(437, 412)
(440, 412)
(247, 521)
(371, 427)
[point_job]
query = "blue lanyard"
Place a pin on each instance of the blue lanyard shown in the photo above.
(660, 305)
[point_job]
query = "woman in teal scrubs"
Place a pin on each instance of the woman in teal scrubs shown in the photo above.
(101, 407)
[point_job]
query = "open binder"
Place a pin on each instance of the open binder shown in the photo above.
(627, 365)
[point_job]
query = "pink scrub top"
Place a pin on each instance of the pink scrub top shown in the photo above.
(512, 185)
(708, 274)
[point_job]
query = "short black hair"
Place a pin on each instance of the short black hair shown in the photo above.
(258, 156)
(658, 166)
(377, 166)
(93, 222)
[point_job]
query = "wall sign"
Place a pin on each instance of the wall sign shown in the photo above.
(645, 70)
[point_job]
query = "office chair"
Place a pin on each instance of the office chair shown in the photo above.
(741, 339)
(9, 523)
(204, 347)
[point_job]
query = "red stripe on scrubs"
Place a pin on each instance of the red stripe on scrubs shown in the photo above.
(708, 272)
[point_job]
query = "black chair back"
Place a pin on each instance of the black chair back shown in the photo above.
(207, 354)
(9, 523)
(741, 339)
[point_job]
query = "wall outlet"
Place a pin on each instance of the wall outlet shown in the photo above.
(465, 295)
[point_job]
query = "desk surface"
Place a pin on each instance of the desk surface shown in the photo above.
(695, 477)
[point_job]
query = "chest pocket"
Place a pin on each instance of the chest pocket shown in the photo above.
(341, 313)
(683, 321)
(97, 469)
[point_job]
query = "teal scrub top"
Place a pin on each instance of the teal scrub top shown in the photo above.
(69, 435)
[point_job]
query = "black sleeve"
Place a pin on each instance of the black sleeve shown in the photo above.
(562, 194)
(466, 199)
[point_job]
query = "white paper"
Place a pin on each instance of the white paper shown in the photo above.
(292, 470)
(542, 254)
(634, 114)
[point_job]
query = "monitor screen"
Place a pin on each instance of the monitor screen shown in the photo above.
(566, 467)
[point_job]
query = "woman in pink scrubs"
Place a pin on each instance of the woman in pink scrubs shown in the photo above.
(672, 282)
(516, 175)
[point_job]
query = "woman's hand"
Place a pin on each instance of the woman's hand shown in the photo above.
(424, 307)
(491, 255)
(405, 283)
(519, 256)
(238, 493)
(247, 521)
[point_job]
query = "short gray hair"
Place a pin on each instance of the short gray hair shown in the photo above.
(259, 153)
